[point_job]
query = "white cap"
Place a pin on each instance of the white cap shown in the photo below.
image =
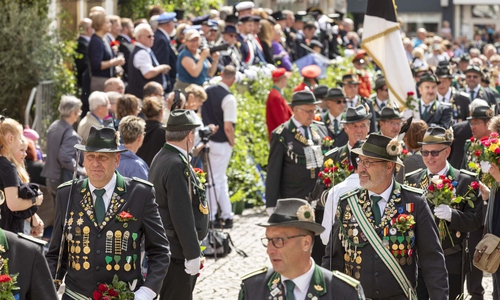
(244, 5)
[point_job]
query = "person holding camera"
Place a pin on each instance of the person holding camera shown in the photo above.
(193, 65)
(220, 110)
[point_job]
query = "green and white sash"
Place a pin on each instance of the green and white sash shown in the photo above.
(384, 254)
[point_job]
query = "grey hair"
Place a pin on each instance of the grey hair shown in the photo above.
(97, 99)
(68, 104)
(113, 97)
(176, 136)
(141, 27)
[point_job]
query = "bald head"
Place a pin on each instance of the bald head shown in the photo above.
(85, 27)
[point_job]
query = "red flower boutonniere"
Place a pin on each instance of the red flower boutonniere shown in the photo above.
(327, 141)
(133, 41)
(404, 222)
(125, 216)
(114, 43)
(202, 176)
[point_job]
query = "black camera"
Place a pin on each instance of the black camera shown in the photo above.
(221, 47)
(205, 134)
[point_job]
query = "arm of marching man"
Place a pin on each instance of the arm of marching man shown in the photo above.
(469, 218)
(55, 242)
(41, 285)
(429, 251)
(181, 211)
(274, 169)
(156, 243)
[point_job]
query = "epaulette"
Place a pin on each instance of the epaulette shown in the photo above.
(32, 239)
(318, 122)
(279, 129)
(473, 174)
(332, 151)
(412, 189)
(347, 279)
(254, 273)
(463, 94)
(67, 183)
(142, 181)
(413, 172)
(349, 194)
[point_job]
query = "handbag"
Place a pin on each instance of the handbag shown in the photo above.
(218, 243)
(97, 83)
(487, 254)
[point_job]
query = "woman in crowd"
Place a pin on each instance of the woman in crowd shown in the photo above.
(14, 209)
(192, 64)
(127, 105)
(195, 96)
(413, 160)
(152, 108)
(279, 51)
(265, 35)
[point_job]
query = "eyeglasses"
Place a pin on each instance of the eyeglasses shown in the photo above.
(434, 153)
(150, 36)
(309, 112)
(278, 242)
(394, 124)
(340, 101)
(472, 76)
(367, 163)
(478, 123)
(384, 90)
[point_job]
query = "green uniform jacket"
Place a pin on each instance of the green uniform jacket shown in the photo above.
(266, 284)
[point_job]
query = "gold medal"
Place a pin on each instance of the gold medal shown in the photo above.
(117, 267)
(394, 247)
(86, 230)
(72, 246)
(77, 266)
(349, 232)
(401, 246)
(127, 267)
(77, 248)
(86, 249)
(108, 267)
(359, 260)
(346, 257)
(86, 265)
(356, 240)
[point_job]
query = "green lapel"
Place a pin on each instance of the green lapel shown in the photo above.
(3, 241)
(317, 287)
(326, 118)
(275, 285)
(451, 172)
(291, 126)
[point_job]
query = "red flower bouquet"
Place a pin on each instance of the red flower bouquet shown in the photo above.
(202, 176)
(327, 141)
(333, 174)
(118, 290)
(7, 281)
(114, 43)
(441, 191)
(403, 222)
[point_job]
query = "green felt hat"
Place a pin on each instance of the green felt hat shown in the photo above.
(102, 140)
(181, 119)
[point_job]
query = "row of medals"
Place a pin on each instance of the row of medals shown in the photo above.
(121, 244)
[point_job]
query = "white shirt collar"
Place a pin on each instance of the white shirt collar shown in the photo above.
(110, 188)
(386, 195)
(181, 150)
(443, 171)
(297, 123)
(302, 282)
(142, 46)
(339, 117)
(446, 96)
(222, 84)
(354, 101)
(380, 101)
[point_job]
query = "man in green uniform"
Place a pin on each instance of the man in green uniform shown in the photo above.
(289, 239)
(382, 227)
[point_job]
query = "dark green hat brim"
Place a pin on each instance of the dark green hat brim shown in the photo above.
(85, 148)
(310, 226)
(368, 116)
(371, 154)
(180, 127)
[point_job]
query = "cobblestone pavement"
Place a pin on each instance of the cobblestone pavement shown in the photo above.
(221, 279)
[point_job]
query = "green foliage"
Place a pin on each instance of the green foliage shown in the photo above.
(136, 9)
(32, 54)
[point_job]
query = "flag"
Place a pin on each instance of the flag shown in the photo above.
(382, 42)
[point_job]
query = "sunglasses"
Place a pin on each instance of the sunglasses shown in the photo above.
(434, 153)
(340, 101)
(472, 76)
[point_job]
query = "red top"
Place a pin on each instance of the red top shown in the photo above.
(277, 110)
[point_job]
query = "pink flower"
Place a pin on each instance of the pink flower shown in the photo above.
(494, 135)
(497, 150)
(472, 139)
(440, 186)
(494, 140)
(499, 160)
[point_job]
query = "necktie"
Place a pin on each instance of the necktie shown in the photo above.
(382, 105)
(375, 208)
(426, 110)
(290, 286)
(99, 208)
(306, 132)
(336, 126)
(471, 95)
(156, 63)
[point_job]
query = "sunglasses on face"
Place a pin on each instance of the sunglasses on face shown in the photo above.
(434, 153)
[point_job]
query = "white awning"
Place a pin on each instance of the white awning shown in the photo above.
(476, 2)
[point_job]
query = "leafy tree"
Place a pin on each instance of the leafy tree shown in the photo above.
(136, 9)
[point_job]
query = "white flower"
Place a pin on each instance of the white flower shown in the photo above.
(436, 180)
(305, 213)
(394, 148)
(117, 138)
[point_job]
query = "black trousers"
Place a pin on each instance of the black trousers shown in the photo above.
(454, 284)
(475, 276)
(177, 284)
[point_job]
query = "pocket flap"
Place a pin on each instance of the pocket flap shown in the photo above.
(490, 242)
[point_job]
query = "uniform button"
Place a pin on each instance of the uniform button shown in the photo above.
(376, 273)
(97, 268)
(99, 236)
(377, 292)
(98, 252)
(376, 256)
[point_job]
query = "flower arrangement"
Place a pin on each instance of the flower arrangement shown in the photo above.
(410, 100)
(327, 141)
(202, 176)
(118, 290)
(491, 150)
(441, 191)
(7, 281)
(404, 222)
(333, 174)
(114, 43)
(125, 216)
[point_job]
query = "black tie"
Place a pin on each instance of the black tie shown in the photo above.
(99, 207)
(376, 208)
(306, 131)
